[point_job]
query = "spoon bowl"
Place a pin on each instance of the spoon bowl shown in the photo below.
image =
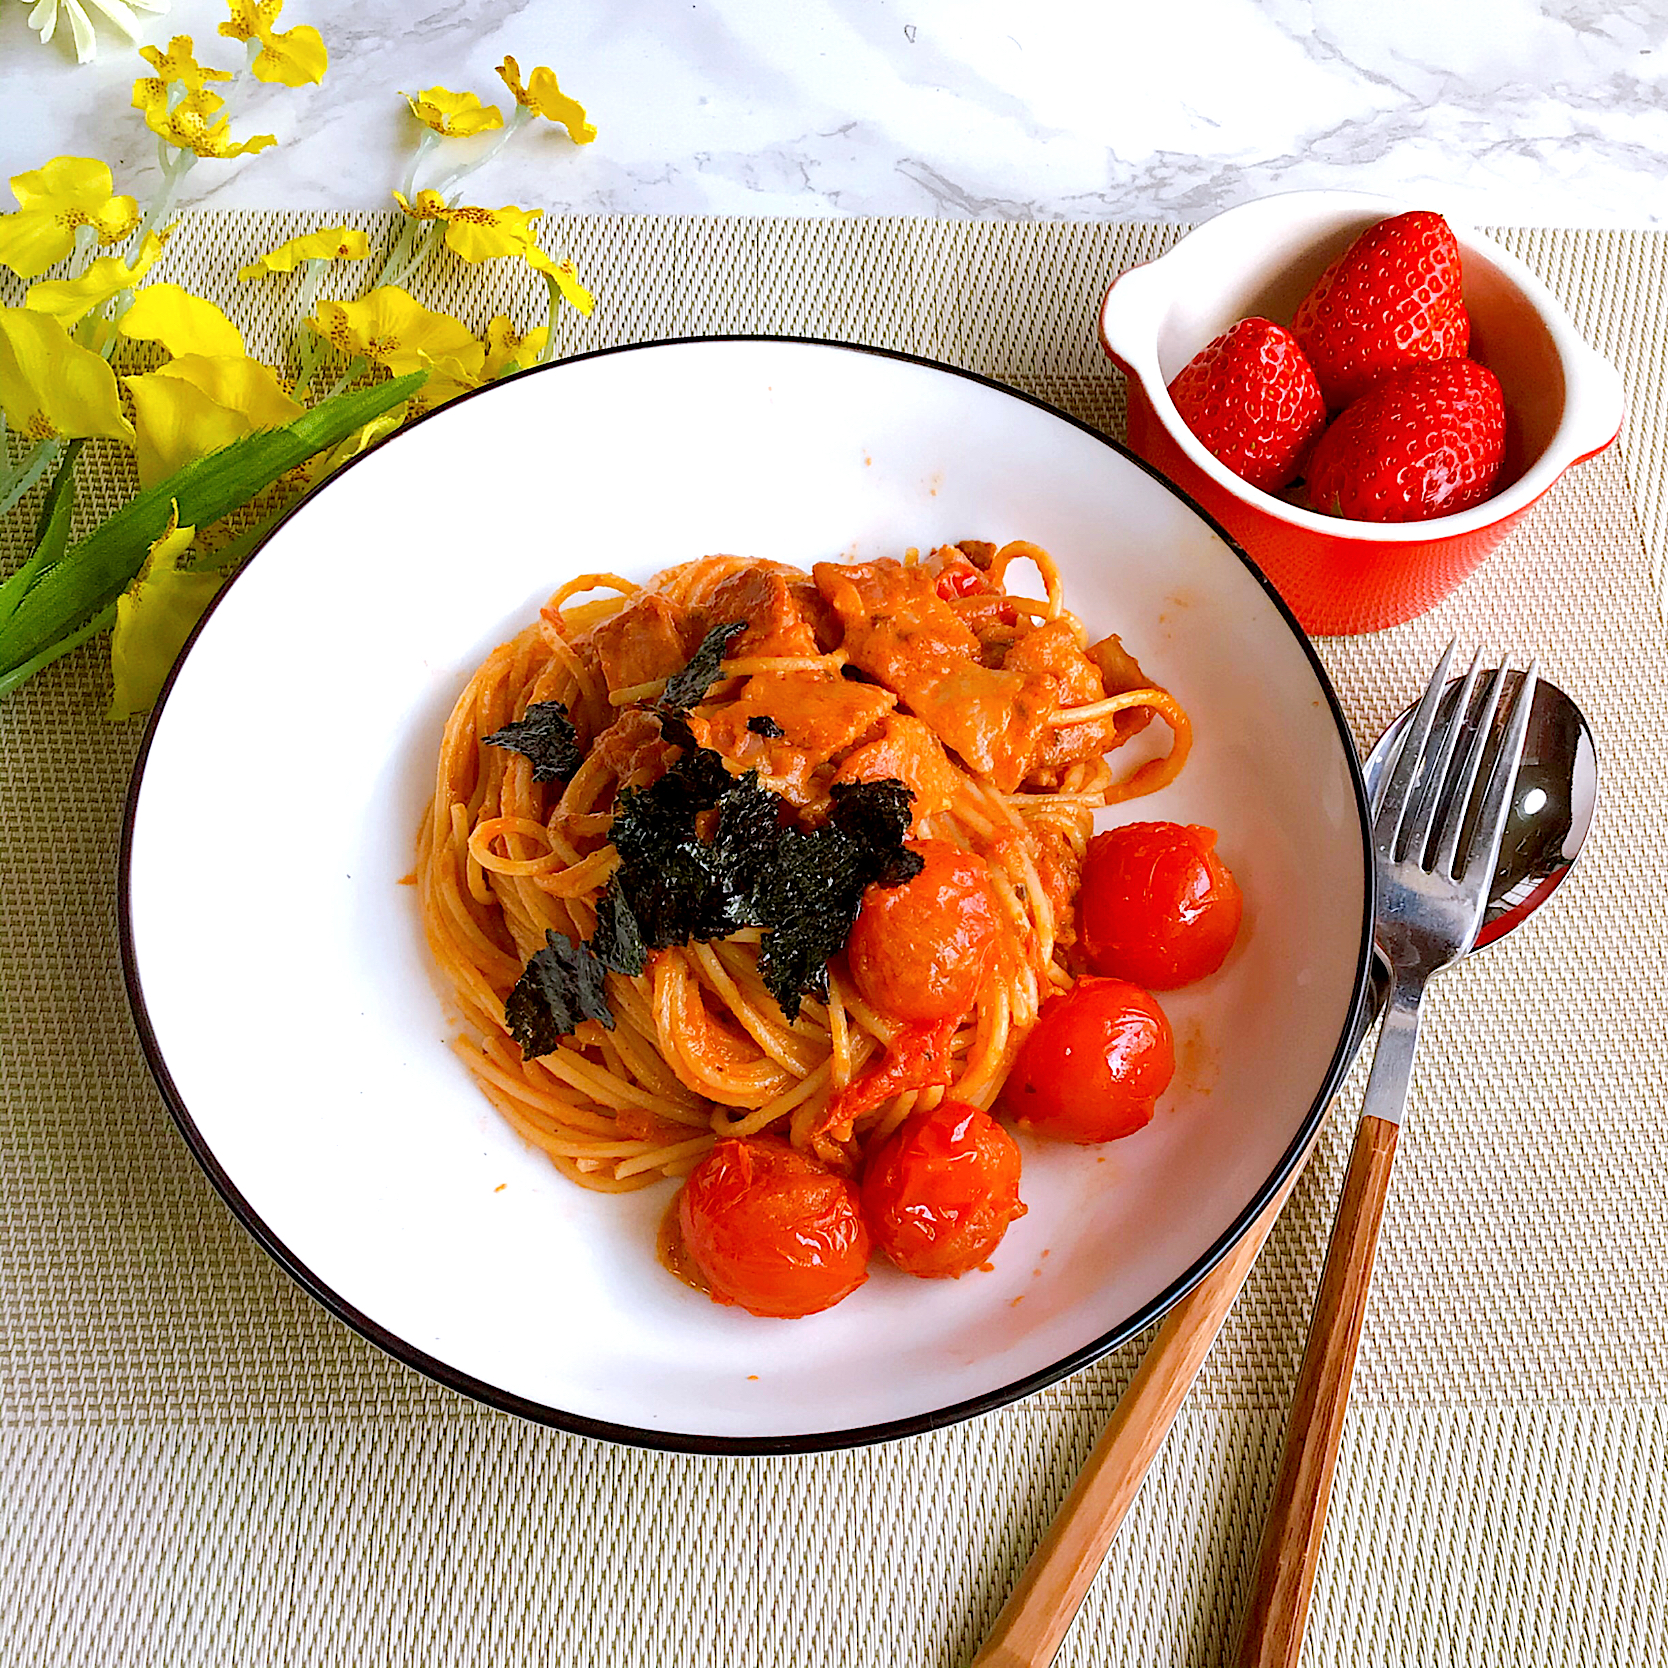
(1552, 809)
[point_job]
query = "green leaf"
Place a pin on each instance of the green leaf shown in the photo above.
(20, 675)
(51, 534)
(96, 570)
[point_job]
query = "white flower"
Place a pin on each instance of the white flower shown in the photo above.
(44, 20)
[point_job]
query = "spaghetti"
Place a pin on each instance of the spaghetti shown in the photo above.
(992, 709)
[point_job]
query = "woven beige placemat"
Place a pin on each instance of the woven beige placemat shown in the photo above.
(202, 1467)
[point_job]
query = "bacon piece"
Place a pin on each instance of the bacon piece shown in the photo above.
(820, 713)
(647, 640)
(899, 630)
(781, 610)
(908, 752)
(633, 748)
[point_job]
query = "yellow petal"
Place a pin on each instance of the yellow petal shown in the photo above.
(544, 97)
(180, 321)
(32, 240)
(65, 182)
(483, 234)
(191, 125)
(426, 205)
(69, 192)
(330, 243)
(507, 352)
(154, 617)
(179, 64)
(393, 328)
(562, 275)
(456, 115)
(195, 405)
(49, 385)
(70, 299)
(294, 59)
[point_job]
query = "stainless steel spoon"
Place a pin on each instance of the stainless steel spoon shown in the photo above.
(1550, 817)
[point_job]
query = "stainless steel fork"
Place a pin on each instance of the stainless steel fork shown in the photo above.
(1437, 837)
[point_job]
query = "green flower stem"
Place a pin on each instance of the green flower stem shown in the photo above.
(556, 300)
(518, 120)
(409, 251)
(38, 663)
(356, 367)
(424, 146)
(96, 570)
(18, 479)
(309, 344)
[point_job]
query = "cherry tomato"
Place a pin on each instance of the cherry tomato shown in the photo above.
(959, 578)
(940, 1193)
(1158, 906)
(772, 1230)
(919, 951)
(1097, 1059)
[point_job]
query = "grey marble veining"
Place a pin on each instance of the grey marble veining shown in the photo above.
(1494, 110)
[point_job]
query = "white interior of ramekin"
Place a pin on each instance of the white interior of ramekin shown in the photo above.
(1564, 401)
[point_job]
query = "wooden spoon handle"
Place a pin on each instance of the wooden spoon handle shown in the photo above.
(1042, 1605)
(1290, 1549)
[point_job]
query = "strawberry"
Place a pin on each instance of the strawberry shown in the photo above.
(1253, 401)
(1391, 299)
(1425, 441)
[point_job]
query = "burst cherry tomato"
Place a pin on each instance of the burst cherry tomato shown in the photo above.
(1158, 906)
(1097, 1059)
(919, 951)
(941, 1192)
(772, 1230)
(959, 578)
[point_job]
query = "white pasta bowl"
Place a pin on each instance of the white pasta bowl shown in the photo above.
(283, 990)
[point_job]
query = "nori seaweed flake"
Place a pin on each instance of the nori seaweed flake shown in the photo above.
(683, 879)
(545, 734)
(689, 687)
(762, 724)
(559, 988)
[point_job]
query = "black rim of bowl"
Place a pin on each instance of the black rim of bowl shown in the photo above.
(806, 1442)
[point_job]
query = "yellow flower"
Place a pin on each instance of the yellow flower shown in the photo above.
(69, 300)
(198, 403)
(507, 352)
(179, 64)
(454, 115)
(329, 243)
(293, 56)
(426, 205)
(183, 323)
(154, 617)
(69, 192)
(51, 386)
(393, 328)
(476, 234)
(44, 21)
(190, 124)
(562, 275)
(544, 98)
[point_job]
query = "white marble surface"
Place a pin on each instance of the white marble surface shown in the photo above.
(1498, 111)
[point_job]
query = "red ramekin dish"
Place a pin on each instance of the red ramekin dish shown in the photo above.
(1564, 402)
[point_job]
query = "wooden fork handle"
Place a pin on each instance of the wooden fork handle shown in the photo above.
(1290, 1550)
(1043, 1604)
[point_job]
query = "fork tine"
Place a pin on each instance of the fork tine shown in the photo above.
(1429, 796)
(1484, 852)
(1457, 791)
(1397, 785)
